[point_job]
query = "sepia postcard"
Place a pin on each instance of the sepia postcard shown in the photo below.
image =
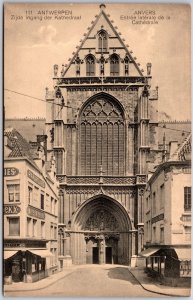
(97, 150)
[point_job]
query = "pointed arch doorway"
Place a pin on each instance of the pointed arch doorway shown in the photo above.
(100, 233)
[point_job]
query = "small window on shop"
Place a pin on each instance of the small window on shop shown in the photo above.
(14, 226)
(13, 192)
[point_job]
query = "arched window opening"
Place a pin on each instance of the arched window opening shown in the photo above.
(102, 41)
(90, 65)
(114, 65)
(102, 138)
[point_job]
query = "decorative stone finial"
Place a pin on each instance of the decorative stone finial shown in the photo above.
(149, 68)
(62, 71)
(55, 70)
(102, 6)
(47, 90)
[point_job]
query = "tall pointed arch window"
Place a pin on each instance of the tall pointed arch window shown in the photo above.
(114, 65)
(90, 65)
(102, 138)
(102, 41)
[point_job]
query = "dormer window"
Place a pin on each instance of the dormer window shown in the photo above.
(114, 65)
(90, 65)
(102, 41)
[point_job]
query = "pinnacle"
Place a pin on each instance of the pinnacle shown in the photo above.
(102, 6)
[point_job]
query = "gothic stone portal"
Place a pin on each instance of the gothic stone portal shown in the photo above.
(100, 233)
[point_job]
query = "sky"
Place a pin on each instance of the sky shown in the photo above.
(32, 47)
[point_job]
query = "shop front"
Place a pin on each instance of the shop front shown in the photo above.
(26, 265)
(170, 265)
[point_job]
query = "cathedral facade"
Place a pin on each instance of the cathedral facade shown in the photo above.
(102, 129)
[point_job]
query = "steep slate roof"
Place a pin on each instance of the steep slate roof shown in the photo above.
(29, 128)
(103, 15)
(18, 145)
(173, 131)
(183, 149)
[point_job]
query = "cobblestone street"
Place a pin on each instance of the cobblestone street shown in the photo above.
(93, 281)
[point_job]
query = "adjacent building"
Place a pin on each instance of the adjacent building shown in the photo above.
(167, 215)
(30, 210)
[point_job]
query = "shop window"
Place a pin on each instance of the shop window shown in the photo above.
(14, 226)
(13, 192)
(90, 65)
(34, 263)
(187, 198)
(114, 65)
(30, 195)
(42, 201)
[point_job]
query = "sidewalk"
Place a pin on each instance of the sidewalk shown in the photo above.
(148, 283)
(43, 283)
(152, 285)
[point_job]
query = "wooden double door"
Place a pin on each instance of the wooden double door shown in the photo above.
(102, 252)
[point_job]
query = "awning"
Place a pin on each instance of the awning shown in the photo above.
(149, 252)
(8, 254)
(183, 253)
(41, 252)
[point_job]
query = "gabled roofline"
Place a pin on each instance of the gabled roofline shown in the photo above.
(115, 32)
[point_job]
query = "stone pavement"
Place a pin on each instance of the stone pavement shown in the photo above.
(43, 283)
(149, 284)
(152, 285)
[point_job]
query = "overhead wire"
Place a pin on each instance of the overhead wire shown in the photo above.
(63, 105)
(39, 99)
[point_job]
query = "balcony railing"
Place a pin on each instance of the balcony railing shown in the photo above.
(105, 180)
(106, 80)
